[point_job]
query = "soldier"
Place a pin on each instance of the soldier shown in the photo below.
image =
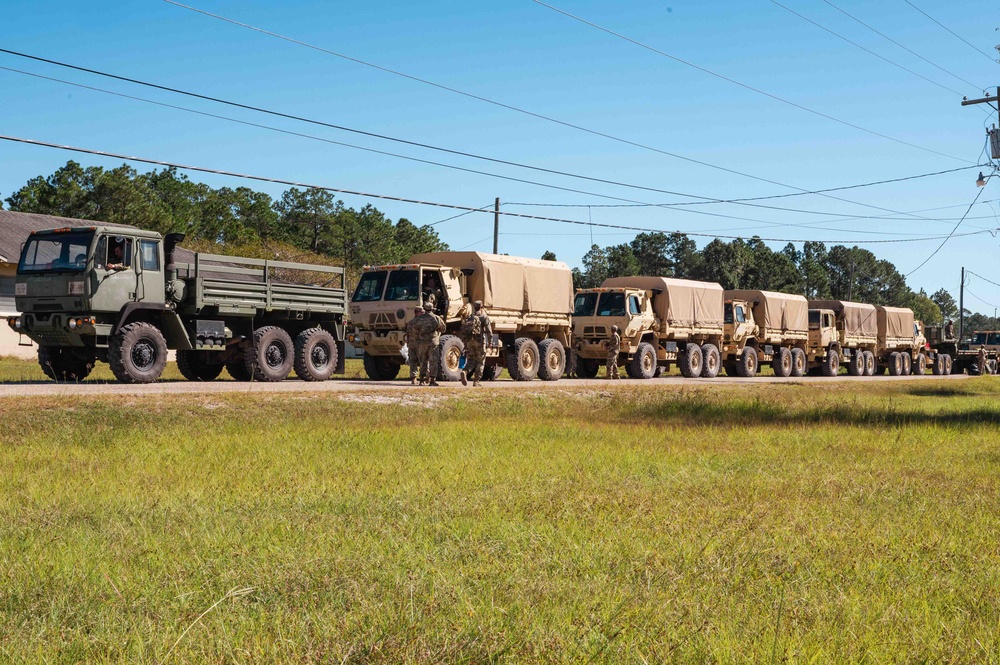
(949, 329)
(412, 339)
(477, 333)
(981, 361)
(432, 295)
(614, 346)
(430, 363)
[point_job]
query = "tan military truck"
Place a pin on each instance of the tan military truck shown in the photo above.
(529, 302)
(662, 321)
(841, 330)
(765, 327)
(899, 350)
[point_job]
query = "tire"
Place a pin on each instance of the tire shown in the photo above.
(907, 363)
(492, 372)
(553, 360)
(782, 363)
(856, 365)
(66, 363)
(798, 363)
(690, 361)
(380, 368)
(920, 365)
(137, 353)
(523, 361)
(660, 371)
(939, 365)
(315, 355)
(237, 367)
(869, 363)
(746, 364)
(587, 368)
(948, 364)
(711, 361)
(895, 364)
(643, 363)
(451, 350)
(272, 355)
(831, 364)
(730, 368)
(198, 366)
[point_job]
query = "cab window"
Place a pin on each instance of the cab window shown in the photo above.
(979, 338)
(370, 287)
(994, 338)
(403, 285)
(585, 304)
(727, 316)
(611, 304)
(813, 319)
(633, 305)
(119, 252)
(740, 317)
(150, 251)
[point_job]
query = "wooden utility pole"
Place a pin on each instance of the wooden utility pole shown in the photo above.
(994, 133)
(961, 307)
(496, 226)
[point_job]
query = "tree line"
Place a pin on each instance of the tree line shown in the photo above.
(235, 219)
(816, 271)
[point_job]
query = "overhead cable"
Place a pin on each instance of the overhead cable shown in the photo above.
(950, 235)
(991, 58)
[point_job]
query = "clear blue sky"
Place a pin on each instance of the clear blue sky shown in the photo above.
(524, 54)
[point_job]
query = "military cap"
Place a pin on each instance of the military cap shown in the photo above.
(615, 328)
(477, 304)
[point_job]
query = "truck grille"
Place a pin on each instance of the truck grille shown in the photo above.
(595, 331)
(382, 320)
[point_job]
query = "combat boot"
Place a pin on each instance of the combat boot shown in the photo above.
(413, 381)
(434, 383)
(475, 384)
(464, 378)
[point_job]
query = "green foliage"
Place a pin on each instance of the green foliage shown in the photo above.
(947, 304)
(925, 309)
(549, 256)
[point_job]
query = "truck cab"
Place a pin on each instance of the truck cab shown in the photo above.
(739, 325)
(596, 310)
(988, 338)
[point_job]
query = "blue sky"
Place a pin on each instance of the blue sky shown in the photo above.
(526, 55)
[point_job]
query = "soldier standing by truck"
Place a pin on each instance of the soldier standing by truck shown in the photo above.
(981, 361)
(430, 362)
(477, 332)
(614, 348)
(412, 344)
(949, 330)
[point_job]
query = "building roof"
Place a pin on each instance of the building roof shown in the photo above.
(16, 226)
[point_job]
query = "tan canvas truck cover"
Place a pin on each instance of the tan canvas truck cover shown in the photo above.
(777, 314)
(895, 323)
(679, 303)
(860, 319)
(511, 282)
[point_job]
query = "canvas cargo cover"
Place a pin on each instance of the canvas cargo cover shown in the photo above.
(895, 322)
(681, 302)
(775, 312)
(860, 320)
(511, 282)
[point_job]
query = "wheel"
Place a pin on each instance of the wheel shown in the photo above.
(381, 368)
(782, 362)
(798, 363)
(895, 364)
(199, 365)
(492, 372)
(237, 367)
(643, 363)
(315, 355)
(711, 361)
(451, 349)
(746, 365)
(553, 363)
(856, 365)
(920, 365)
(272, 355)
(690, 361)
(660, 371)
(730, 368)
(948, 363)
(587, 368)
(137, 353)
(66, 363)
(869, 363)
(831, 364)
(939, 365)
(523, 360)
(907, 363)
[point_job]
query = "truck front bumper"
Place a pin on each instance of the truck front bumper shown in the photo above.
(63, 329)
(592, 349)
(378, 343)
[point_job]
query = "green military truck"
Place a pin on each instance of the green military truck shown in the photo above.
(125, 296)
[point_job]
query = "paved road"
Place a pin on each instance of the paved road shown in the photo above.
(13, 390)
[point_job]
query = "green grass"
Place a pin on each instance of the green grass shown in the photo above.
(835, 523)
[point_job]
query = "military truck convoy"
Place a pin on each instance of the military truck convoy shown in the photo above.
(125, 296)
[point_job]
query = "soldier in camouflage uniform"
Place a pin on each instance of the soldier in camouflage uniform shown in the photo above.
(431, 326)
(949, 329)
(412, 343)
(614, 346)
(984, 368)
(477, 332)
(433, 296)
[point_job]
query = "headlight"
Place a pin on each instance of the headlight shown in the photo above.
(76, 288)
(17, 322)
(72, 324)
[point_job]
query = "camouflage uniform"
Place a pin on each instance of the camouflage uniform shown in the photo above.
(430, 363)
(614, 348)
(949, 330)
(475, 347)
(412, 344)
(425, 329)
(432, 299)
(981, 361)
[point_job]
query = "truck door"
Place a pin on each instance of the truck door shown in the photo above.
(115, 280)
(149, 263)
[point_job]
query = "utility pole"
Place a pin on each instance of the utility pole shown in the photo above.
(994, 133)
(850, 288)
(961, 307)
(496, 226)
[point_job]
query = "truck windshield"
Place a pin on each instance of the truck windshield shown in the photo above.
(585, 304)
(63, 252)
(370, 287)
(981, 338)
(611, 304)
(814, 319)
(403, 285)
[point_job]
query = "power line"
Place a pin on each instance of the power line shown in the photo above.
(991, 58)
(511, 107)
(387, 197)
(702, 199)
(462, 214)
(969, 272)
(866, 50)
(740, 83)
(910, 51)
(989, 304)
(950, 235)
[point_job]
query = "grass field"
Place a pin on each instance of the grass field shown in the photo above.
(765, 523)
